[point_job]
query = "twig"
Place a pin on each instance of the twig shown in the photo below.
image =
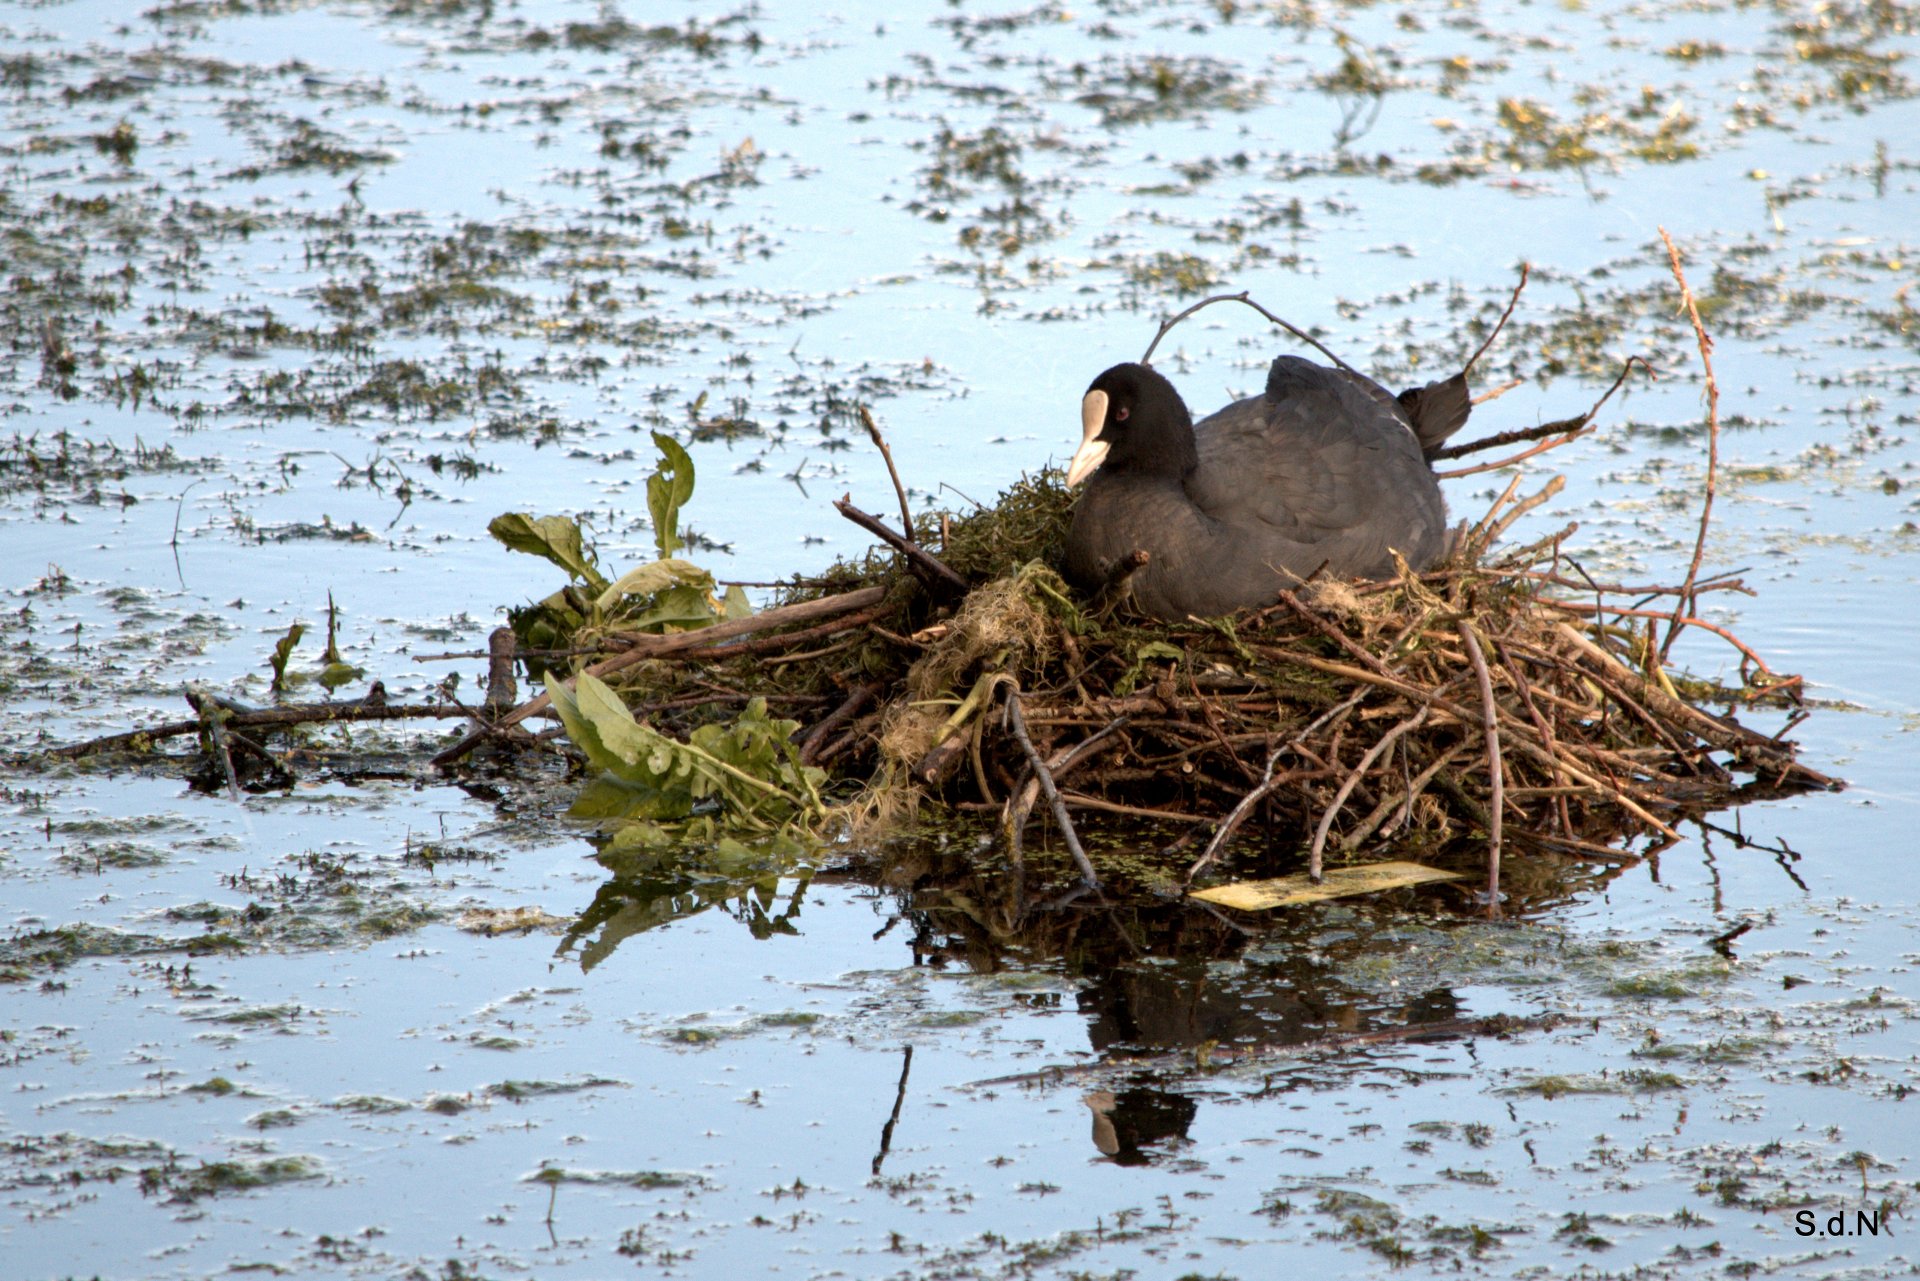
(262, 718)
(1685, 603)
(873, 431)
(1496, 773)
(1478, 538)
(1746, 653)
(1494, 529)
(1580, 427)
(1268, 782)
(1540, 723)
(1078, 800)
(1243, 297)
(1017, 723)
(899, 1097)
(1351, 781)
(817, 737)
(1319, 624)
(1569, 428)
(924, 564)
(1120, 575)
(1019, 805)
(1495, 393)
(1501, 324)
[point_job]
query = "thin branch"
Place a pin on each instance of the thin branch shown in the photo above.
(873, 430)
(925, 565)
(1351, 781)
(1685, 603)
(1017, 723)
(1242, 297)
(1496, 773)
(1502, 324)
(1568, 427)
(1268, 782)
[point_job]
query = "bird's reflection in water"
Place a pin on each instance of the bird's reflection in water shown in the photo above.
(1129, 1122)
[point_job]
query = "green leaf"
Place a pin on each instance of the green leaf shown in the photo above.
(737, 604)
(680, 609)
(747, 765)
(608, 799)
(656, 576)
(283, 651)
(1142, 655)
(668, 489)
(557, 538)
(336, 674)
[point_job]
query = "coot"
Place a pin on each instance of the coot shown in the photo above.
(1324, 473)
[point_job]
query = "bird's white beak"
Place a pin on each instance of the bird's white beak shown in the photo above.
(1092, 452)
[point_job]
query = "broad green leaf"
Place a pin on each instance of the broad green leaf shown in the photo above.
(656, 576)
(737, 604)
(609, 798)
(668, 489)
(684, 608)
(557, 538)
(336, 674)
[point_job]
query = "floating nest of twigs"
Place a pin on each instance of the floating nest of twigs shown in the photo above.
(1503, 698)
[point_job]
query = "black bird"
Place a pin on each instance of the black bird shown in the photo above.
(1324, 473)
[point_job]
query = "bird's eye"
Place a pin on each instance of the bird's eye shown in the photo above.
(1120, 414)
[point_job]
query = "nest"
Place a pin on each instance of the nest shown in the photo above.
(1500, 698)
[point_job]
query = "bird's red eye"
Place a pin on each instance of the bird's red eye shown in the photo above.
(1120, 414)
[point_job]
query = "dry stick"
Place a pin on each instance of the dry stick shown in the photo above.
(927, 567)
(1580, 428)
(1019, 805)
(873, 430)
(1319, 624)
(1567, 428)
(1496, 779)
(1617, 795)
(1495, 528)
(1727, 582)
(1351, 781)
(261, 718)
(1477, 536)
(1268, 782)
(817, 737)
(1120, 575)
(786, 640)
(1726, 735)
(1581, 607)
(1540, 722)
(1416, 785)
(646, 647)
(1077, 800)
(1501, 324)
(1495, 393)
(1243, 297)
(1686, 601)
(1019, 727)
